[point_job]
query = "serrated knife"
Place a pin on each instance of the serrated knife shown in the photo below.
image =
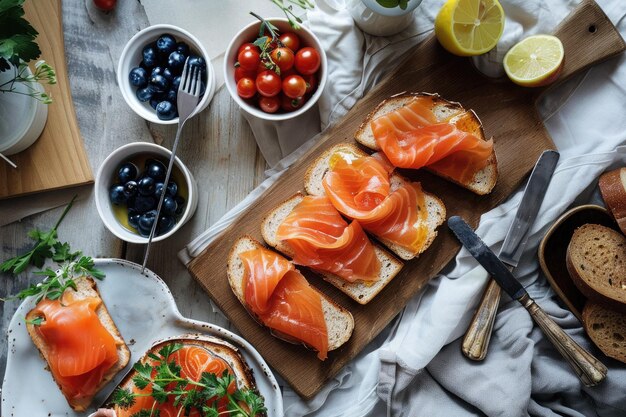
(589, 369)
(478, 335)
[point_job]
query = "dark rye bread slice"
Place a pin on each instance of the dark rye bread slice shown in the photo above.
(596, 262)
(607, 329)
(244, 376)
(436, 209)
(339, 321)
(360, 291)
(613, 189)
(85, 288)
(445, 111)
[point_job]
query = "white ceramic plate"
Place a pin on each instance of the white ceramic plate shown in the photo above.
(144, 310)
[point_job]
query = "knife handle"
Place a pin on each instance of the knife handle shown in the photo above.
(478, 333)
(590, 370)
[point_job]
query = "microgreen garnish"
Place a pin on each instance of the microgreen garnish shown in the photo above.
(294, 20)
(164, 379)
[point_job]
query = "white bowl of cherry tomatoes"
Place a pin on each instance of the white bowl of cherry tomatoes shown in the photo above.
(275, 74)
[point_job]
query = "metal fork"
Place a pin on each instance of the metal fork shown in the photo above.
(187, 101)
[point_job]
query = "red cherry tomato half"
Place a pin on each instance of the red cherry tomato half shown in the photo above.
(290, 40)
(249, 59)
(268, 83)
(246, 88)
(269, 104)
(290, 104)
(283, 57)
(246, 47)
(243, 73)
(105, 5)
(311, 83)
(307, 61)
(294, 86)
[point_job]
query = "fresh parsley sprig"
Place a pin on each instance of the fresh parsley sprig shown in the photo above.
(165, 381)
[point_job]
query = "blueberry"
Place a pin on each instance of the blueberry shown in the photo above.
(181, 205)
(116, 194)
(154, 102)
(158, 189)
(146, 186)
(145, 222)
(133, 218)
(127, 172)
(130, 189)
(166, 44)
(202, 88)
(138, 77)
(150, 56)
(172, 188)
(169, 205)
(145, 203)
(145, 94)
(175, 83)
(176, 62)
(166, 110)
(199, 62)
(159, 83)
(156, 170)
(164, 71)
(171, 96)
(183, 48)
(166, 223)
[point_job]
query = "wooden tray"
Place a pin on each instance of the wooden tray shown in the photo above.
(508, 114)
(58, 158)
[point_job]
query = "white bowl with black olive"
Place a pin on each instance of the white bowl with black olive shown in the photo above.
(149, 70)
(127, 191)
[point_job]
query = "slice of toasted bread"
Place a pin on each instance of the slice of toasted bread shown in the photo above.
(86, 287)
(613, 189)
(436, 209)
(339, 321)
(360, 291)
(607, 329)
(445, 111)
(596, 261)
(244, 377)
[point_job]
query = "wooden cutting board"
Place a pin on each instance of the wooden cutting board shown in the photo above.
(509, 115)
(58, 158)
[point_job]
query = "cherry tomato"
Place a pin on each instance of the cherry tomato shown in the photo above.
(283, 57)
(290, 71)
(243, 73)
(247, 46)
(268, 83)
(290, 40)
(311, 82)
(294, 86)
(307, 61)
(249, 59)
(269, 104)
(246, 88)
(290, 104)
(261, 67)
(105, 5)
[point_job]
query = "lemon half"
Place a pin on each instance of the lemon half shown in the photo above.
(469, 27)
(535, 61)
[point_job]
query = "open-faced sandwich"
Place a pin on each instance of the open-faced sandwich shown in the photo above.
(423, 130)
(277, 295)
(78, 339)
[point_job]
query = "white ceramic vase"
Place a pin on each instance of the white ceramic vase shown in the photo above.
(22, 118)
(377, 20)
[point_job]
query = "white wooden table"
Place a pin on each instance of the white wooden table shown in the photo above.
(217, 146)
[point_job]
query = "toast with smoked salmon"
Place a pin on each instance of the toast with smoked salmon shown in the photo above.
(434, 207)
(481, 180)
(337, 321)
(79, 341)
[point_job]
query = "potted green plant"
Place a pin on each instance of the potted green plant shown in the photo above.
(383, 17)
(23, 100)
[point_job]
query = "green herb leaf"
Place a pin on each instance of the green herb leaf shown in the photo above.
(389, 3)
(123, 397)
(37, 321)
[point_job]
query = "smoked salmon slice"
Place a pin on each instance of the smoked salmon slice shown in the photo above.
(322, 239)
(411, 137)
(360, 189)
(81, 350)
(283, 299)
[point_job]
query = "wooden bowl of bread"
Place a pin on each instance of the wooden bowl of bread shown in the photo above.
(583, 256)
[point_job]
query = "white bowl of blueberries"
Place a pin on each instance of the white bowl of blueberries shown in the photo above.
(128, 187)
(149, 70)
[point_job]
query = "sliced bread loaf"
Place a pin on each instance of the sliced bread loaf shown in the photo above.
(436, 209)
(613, 189)
(339, 321)
(607, 329)
(445, 111)
(596, 262)
(360, 291)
